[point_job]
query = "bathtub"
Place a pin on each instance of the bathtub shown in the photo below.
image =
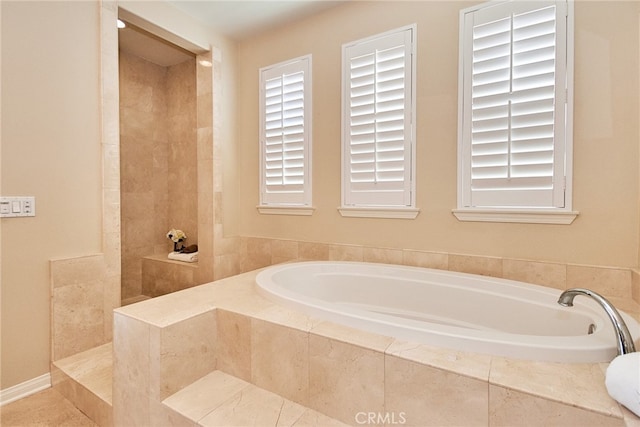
(447, 309)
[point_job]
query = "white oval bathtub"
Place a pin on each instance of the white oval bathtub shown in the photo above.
(448, 309)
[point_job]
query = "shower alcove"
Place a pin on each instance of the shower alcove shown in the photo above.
(159, 152)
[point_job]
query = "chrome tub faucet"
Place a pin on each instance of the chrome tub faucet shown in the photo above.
(623, 336)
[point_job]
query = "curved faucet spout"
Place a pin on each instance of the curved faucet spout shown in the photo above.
(624, 339)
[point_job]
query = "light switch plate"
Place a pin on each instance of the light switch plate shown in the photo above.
(20, 206)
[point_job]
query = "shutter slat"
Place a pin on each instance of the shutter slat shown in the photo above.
(488, 29)
(489, 172)
(490, 137)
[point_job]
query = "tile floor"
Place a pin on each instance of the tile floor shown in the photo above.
(46, 408)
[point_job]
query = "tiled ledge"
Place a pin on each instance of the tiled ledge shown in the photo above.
(161, 275)
(165, 344)
(163, 258)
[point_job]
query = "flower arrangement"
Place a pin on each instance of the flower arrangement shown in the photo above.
(177, 237)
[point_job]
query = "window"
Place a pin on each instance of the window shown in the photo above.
(378, 137)
(515, 116)
(285, 137)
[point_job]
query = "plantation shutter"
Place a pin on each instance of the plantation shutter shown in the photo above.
(285, 134)
(377, 133)
(515, 89)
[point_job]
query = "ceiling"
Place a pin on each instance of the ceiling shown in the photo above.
(238, 19)
(235, 19)
(144, 45)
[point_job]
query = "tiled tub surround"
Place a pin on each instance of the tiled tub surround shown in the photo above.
(165, 344)
(242, 254)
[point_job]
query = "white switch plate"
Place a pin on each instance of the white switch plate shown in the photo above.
(17, 206)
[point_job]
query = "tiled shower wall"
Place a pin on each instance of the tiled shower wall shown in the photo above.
(158, 161)
(182, 165)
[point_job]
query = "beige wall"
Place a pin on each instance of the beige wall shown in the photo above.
(50, 150)
(605, 144)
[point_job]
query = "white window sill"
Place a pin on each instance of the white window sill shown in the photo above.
(529, 216)
(379, 212)
(286, 210)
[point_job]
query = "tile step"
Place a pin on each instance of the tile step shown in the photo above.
(86, 379)
(220, 399)
(93, 369)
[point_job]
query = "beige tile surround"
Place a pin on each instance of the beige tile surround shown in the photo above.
(81, 309)
(335, 370)
(620, 285)
(159, 147)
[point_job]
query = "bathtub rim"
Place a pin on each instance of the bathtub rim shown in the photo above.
(595, 348)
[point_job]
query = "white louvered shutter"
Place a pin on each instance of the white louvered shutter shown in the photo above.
(514, 120)
(377, 121)
(285, 133)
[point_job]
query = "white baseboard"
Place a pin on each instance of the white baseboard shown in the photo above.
(25, 389)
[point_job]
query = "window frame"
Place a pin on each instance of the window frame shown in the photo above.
(407, 210)
(526, 214)
(284, 203)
